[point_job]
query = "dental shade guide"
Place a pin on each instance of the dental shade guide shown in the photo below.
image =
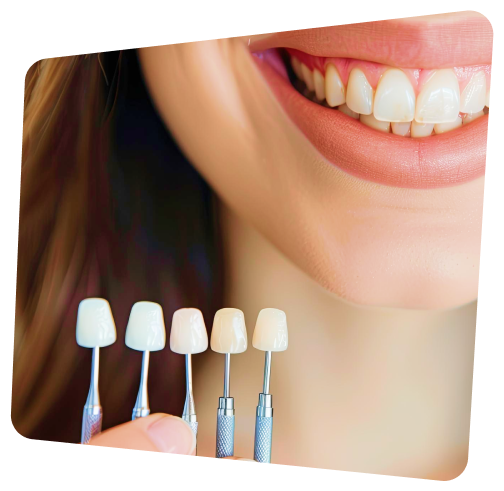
(229, 336)
(95, 329)
(270, 334)
(188, 337)
(145, 332)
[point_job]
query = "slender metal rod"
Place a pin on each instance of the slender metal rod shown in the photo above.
(227, 364)
(141, 408)
(93, 398)
(189, 408)
(267, 372)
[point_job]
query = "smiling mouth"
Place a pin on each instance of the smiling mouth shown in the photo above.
(406, 102)
(408, 114)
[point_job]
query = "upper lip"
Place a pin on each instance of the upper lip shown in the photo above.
(433, 42)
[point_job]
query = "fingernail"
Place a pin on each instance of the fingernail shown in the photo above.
(245, 460)
(172, 435)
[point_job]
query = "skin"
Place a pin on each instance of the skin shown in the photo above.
(368, 243)
(378, 367)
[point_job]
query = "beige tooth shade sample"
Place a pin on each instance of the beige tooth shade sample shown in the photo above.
(229, 334)
(95, 324)
(188, 333)
(270, 333)
(146, 328)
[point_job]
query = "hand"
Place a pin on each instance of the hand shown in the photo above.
(157, 433)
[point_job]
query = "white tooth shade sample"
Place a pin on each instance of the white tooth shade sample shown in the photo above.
(395, 98)
(95, 324)
(229, 334)
(188, 332)
(270, 333)
(146, 328)
(359, 94)
(439, 99)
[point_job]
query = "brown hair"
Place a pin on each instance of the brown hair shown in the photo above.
(109, 208)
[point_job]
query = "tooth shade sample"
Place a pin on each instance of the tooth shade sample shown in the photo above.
(308, 77)
(471, 117)
(402, 129)
(229, 334)
(359, 95)
(270, 333)
(394, 98)
(95, 324)
(346, 110)
(487, 100)
(146, 327)
(318, 80)
(473, 97)
(439, 99)
(444, 127)
(372, 122)
(188, 332)
(419, 130)
(334, 88)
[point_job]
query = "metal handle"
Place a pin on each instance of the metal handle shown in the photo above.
(225, 436)
(91, 423)
(263, 438)
(192, 424)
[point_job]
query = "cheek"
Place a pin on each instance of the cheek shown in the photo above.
(367, 243)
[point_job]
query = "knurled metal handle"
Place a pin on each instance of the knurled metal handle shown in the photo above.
(263, 439)
(91, 423)
(194, 427)
(225, 436)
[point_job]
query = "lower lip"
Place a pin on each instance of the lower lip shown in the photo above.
(436, 161)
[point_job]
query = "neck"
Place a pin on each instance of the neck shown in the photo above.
(354, 383)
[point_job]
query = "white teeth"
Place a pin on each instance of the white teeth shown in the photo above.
(229, 334)
(319, 82)
(444, 127)
(393, 108)
(473, 97)
(419, 130)
(146, 328)
(270, 333)
(308, 77)
(296, 66)
(471, 117)
(402, 129)
(346, 110)
(372, 122)
(188, 332)
(439, 99)
(95, 324)
(334, 88)
(395, 98)
(359, 96)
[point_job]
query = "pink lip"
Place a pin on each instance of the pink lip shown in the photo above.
(465, 39)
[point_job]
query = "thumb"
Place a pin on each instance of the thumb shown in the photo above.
(157, 433)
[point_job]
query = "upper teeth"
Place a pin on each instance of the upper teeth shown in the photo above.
(435, 108)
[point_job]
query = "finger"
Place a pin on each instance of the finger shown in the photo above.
(157, 433)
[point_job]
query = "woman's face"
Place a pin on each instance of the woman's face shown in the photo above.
(375, 217)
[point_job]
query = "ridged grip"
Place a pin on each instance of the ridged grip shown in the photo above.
(263, 439)
(91, 424)
(194, 427)
(225, 436)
